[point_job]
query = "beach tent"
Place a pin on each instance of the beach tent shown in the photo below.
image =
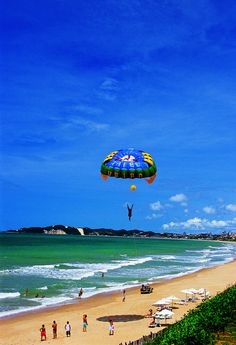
(163, 301)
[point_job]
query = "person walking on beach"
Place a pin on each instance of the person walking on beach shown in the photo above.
(129, 211)
(43, 333)
(85, 323)
(111, 327)
(123, 299)
(54, 330)
(68, 329)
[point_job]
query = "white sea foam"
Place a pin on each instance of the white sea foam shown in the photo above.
(68, 297)
(175, 275)
(9, 295)
(43, 288)
(164, 257)
(75, 271)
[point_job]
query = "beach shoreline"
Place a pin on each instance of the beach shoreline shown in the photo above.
(101, 294)
(23, 328)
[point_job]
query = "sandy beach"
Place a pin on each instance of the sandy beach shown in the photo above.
(24, 329)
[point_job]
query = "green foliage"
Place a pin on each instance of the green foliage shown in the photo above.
(199, 326)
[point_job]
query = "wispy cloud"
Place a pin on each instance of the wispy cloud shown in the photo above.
(153, 216)
(180, 198)
(80, 122)
(88, 109)
(209, 210)
(197, 223)
(109, 84)
(156, 206)
(108, 89)
(231, 207)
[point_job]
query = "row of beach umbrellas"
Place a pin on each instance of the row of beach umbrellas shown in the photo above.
(166, 313)
(166, 301)
(172, 299)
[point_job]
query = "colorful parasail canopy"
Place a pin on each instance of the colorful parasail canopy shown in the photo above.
(129, 163)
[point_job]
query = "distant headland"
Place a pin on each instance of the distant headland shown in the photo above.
(85, 231)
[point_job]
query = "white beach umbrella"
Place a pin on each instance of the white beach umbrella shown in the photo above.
(203, 291)
(165, 313)
(163, 301)
(187, 292)
(172, 299)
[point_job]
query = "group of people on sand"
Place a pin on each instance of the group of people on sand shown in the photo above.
(54, 330)
(68, 328)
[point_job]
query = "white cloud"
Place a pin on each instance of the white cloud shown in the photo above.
(156, 206)
(179, 198)
(154, 216)
(231, 207)
(209, 210)
(197, 223)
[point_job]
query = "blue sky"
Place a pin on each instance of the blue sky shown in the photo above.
(80, 79)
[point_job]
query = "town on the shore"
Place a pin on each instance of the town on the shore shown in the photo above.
(85, 231)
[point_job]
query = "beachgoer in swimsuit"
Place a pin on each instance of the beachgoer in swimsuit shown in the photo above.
(43, 333)
(85, 323)
(54, 329)
(80, 293)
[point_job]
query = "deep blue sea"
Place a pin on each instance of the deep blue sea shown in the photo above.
(55, 267)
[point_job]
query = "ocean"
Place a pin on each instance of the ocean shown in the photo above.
(54, 267)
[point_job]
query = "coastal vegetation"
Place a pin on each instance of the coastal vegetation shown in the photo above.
(203, 325)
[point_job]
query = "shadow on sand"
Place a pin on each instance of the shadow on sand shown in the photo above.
(120, 318)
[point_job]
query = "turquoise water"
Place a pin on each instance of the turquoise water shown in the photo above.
(56, 267)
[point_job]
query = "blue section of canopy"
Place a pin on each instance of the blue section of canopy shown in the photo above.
(129, 159)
